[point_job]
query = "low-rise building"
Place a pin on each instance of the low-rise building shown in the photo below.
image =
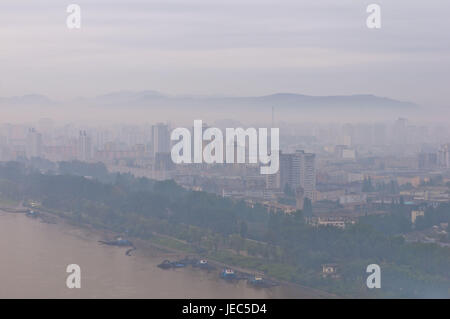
(415, 214)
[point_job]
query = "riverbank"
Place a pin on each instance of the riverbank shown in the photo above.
(180, 249)
(171, 248)
(38, 254)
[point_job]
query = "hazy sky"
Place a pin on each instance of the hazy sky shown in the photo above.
(233, 47)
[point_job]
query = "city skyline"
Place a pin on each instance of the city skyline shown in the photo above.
(168, 148)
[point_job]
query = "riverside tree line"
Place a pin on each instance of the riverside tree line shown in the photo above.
(284, 246)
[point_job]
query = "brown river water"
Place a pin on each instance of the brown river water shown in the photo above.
(34, 256)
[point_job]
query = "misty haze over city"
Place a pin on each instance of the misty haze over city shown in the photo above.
(87, 147)
(225, 48)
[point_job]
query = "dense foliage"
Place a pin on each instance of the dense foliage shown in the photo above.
(283, 245)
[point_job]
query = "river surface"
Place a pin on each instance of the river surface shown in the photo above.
(34, 256)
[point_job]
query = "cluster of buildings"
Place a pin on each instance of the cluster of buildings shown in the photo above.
(345, 169)
(437, 159)
(146, 147)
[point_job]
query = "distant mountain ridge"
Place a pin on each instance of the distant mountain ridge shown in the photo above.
(151, 99)
(28, 99)
(280, 100)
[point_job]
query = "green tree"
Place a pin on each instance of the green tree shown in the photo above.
(243, 231)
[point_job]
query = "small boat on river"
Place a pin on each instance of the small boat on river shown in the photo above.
(119, 241)
(228, 274)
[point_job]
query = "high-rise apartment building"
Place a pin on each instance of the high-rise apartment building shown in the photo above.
(427, 160)
(444, 156)
(400, 131)
(160, 139)
(33, 144)
(297, 170)
(84, 147)
(306, 173)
